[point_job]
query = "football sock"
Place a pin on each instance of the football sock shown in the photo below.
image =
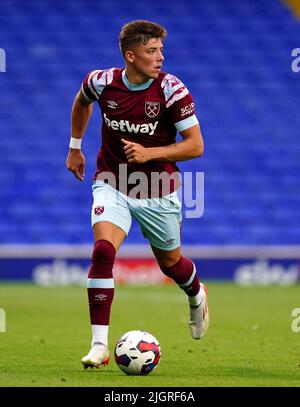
(100, 287)
(197, 299)
(100, 334)
(184, 273)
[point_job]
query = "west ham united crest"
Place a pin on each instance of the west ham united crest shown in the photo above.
(99, 210)
(152, 109)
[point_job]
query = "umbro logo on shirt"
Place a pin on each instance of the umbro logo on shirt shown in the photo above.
(126, 126)
(112, 104)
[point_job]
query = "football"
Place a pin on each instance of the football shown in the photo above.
(137, 353)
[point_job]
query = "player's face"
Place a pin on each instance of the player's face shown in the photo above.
(147, 59)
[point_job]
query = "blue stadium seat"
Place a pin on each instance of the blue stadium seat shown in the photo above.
(234, 57)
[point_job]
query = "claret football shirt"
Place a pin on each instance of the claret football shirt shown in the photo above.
(149, 114)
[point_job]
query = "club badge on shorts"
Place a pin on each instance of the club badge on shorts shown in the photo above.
(152, 109)
(99, 210)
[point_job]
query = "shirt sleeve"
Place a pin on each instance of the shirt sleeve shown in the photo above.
(179, 103)
(94, 83)
(88, 87)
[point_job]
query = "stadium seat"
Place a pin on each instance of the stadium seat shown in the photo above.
(234, 57)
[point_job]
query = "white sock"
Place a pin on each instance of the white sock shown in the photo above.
(196, 300)
(100, 334)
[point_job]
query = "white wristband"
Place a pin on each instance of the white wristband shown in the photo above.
(75, 143)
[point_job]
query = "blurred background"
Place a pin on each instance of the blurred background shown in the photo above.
(236, 59)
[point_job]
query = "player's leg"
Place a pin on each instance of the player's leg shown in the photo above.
(183, 271)
(160, 222)
(107, 240)
(111, 222)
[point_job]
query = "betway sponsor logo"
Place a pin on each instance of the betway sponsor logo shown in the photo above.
(126, 126)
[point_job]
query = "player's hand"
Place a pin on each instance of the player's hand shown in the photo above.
(135, 153)
(75, 163)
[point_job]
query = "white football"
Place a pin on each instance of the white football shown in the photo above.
(137, 353)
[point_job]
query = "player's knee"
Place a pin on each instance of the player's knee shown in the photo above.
(103, 259)
(168, 260)
(104, 252)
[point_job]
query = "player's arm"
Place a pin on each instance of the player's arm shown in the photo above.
(192, 146)
(81, 113)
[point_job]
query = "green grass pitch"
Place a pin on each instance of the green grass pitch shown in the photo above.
(249, 343)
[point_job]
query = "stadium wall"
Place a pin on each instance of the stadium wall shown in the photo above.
(51, 265)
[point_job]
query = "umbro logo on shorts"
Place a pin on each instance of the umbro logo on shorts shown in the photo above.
(170, 241)
(99, 210)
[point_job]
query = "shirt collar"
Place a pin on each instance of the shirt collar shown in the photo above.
(135, 86)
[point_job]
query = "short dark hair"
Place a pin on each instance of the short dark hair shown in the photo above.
(138, 32)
